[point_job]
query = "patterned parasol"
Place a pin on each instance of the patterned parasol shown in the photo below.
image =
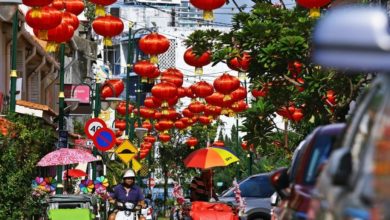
(65, 156)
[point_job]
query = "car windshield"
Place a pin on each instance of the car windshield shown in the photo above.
(255, 186)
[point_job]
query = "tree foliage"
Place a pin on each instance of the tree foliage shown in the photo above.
(28, 140)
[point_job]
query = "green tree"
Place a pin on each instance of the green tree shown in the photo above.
(28, 140)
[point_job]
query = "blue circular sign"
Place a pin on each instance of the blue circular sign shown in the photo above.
(104, 139)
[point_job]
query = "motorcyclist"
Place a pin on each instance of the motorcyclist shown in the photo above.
(127, 191)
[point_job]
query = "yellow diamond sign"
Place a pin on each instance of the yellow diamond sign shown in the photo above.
(136, 165)
(126, 151)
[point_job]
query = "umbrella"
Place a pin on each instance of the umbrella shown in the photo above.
(209, 157)
(65, 156)
(76, 173)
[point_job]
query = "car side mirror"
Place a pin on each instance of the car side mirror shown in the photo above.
(275, 199)
(340, 167)
(280, 181)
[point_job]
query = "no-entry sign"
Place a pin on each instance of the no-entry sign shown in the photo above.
(104, 139)
(93, 125)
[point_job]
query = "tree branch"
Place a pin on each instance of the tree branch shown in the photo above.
(238, 7)
(292, 81)
(282, 3)
(354, 89)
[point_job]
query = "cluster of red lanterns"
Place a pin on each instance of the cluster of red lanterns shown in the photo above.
(291, 113)
(53, 21)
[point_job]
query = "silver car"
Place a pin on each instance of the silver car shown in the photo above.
(355, 183)
(257, 191)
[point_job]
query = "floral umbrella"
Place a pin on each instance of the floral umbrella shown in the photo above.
(65, 156)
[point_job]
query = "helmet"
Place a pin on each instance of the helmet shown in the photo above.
(129, 173)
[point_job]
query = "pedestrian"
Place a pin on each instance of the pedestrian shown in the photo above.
(202, 187)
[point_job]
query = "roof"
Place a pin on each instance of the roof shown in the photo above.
(36, 106)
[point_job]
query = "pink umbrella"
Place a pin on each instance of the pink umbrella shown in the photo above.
(65, 156)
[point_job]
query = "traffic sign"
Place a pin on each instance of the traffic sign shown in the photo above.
(104, 139)
(126, 151)
(151, 183)
(93, 125)
(135, 165)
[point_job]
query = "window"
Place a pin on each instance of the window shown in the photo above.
(258, 186)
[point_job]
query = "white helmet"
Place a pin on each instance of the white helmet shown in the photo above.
(129, 173)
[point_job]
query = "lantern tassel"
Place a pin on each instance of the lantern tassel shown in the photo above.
(192, 147)
(100, 11)
(208, 15)
(165, 112)
(315, 13)
(166, 132)
(150, 80)
(144, 79)
(241, 75)
(36, 12)
(42, 34)
(227, 98)
(51, 47)
(107, 41)
(198, 71)
(154, 59)
(164, 104)
(181, 131)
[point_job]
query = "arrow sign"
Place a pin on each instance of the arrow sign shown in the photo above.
(136, 165)
(104, 139)
(126, 151)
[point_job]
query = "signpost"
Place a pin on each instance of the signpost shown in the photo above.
(93, 125)
(104, 139)
(126, 151)
(63, 139)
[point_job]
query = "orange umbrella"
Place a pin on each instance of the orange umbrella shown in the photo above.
(209, 157)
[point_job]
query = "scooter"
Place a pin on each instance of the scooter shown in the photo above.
(127, 211)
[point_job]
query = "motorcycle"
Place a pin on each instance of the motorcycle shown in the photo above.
(128, 211)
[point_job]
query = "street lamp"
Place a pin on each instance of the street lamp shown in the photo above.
(72, 103)
(9, 8)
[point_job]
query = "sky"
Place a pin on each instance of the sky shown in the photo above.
(224, 14)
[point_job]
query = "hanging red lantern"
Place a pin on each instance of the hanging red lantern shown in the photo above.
(146, 145)
(172, 114)
(165, 124)
(150, 139)
(208, 6)
(145, 112)
(314, 6)
(240, 64)
(212, 111)
(145, 69)
(164, 137)
(164, 91)
(239, 106)
(108, 26)
(158, 127)
(60, 34)
(99, 11)
(118, 133)
(188, 113)
(202, 89)
(181, 92)
(226, 84)
(49, 18)
(218, 143)
(58, 4)
(157, 115)
(120, 124)
(192, 142)
(147, 125)
(218, 99)
(71, 19)
(121, 108)
(112, 88)
(189, 93)
(36, 6)
(74, 6)
(154, 44)
(197, 61)
(239, 94)
(196, 107)
(180, 124)
(173, 76)
(119, 141)
(149, 102)
(204, 120)
(185, 120)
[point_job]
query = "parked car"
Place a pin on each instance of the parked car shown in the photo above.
(256, 190)
(355, 183)
(306, 165)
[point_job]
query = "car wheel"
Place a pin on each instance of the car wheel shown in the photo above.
(259, 216)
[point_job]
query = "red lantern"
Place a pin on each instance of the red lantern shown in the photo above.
(181, 92)
(180, 125)
(107, 26)
(145, 69)
(196, 107)
(239, 94)
(204, 120)
(240, 64)
(100, 6)
(173, 76)
(150, 139)
(239, 106)
(212, 111)
(49, 18)
(120, 124)
(218, 99)
(188, 113)
(119, 141)
(202, 89)
(154, 44)
(297, 115)
(149, 102)
(58, 4)
(313, 5)
(146, 145)
(208, 6)
(157, 115)
(121, 108)
(165, 124)
(226, 84)
(164, 91)
(112, 88)
(60, 34)
(197, 61)
(147, 125)
(189, 93)
(36, 6)
(218, 143)
(74, 6)
(71, 19)
(145, 112)
(192, 142)
(164, 137)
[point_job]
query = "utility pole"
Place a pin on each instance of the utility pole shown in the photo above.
(173, 17)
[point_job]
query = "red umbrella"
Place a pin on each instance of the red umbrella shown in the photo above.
(65, 156)
(76, 173)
